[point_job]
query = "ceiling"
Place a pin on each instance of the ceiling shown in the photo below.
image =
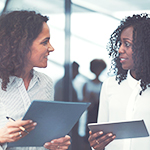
(115, 8)
(117, 5)
(111, 8)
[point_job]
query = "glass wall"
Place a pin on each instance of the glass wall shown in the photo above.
(90, 32)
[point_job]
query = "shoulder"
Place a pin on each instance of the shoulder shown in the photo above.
(111, 86)
(59, 82)
(110, 80)
(88, 83)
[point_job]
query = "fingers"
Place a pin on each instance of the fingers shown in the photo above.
(100, 140)
(9, 135)
(56, 147)
(60, 143)
(19, 123)
(95, 135)
(16, 136)
(104, 141)
(61, 140)
(13, 131)
(25, 123)
(28, 125)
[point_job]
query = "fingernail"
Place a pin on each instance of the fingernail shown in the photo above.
(110, 134)
(46, 144)
(101, 132)
(30, 121)
(34, 123)
(52, 141)
(114, 137)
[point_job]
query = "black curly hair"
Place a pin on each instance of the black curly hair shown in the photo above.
(18, 30)
(140, 48)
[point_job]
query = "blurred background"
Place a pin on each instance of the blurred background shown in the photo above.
(80, 31)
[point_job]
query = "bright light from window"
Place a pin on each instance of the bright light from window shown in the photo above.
(2, 4)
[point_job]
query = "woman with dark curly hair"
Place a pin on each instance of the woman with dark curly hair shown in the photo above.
(126, 96)
(24, 44)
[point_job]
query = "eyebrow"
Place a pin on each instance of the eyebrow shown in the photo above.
(47, 38)
(127, 39)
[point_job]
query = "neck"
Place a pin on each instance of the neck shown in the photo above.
(133, 74)
(96, 80)
(27, 78)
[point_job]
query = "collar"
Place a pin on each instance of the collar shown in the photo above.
(133, 82)
(14, 79)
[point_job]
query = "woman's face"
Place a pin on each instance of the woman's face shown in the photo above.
(40, 49)
(125, 50)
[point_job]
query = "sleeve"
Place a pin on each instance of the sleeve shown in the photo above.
(103, 112)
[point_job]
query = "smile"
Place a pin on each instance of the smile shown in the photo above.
(122, 60)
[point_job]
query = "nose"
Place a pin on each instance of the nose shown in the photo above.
(121, 49)
(50, 48)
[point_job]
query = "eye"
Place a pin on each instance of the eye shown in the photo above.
(45, 42)
(127, 44)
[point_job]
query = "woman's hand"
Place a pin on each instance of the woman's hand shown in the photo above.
(58, 144)
(99, 140)
(11, 132)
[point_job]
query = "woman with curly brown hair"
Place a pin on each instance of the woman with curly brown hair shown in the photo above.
(126, 96)
(24, 44)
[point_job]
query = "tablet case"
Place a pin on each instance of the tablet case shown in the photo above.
(54, 119)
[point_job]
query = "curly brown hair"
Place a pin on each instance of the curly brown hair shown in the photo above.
(141, 49)
(18, 30)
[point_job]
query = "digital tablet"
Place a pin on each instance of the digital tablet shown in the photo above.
(122, 130)
(54, 119)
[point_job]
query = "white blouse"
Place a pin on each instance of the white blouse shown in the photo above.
(15, 101)
(123, 102)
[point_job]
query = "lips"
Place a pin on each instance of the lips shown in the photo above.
(122, 59)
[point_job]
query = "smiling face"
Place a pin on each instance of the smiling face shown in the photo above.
(125, 50)
(40, 49)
